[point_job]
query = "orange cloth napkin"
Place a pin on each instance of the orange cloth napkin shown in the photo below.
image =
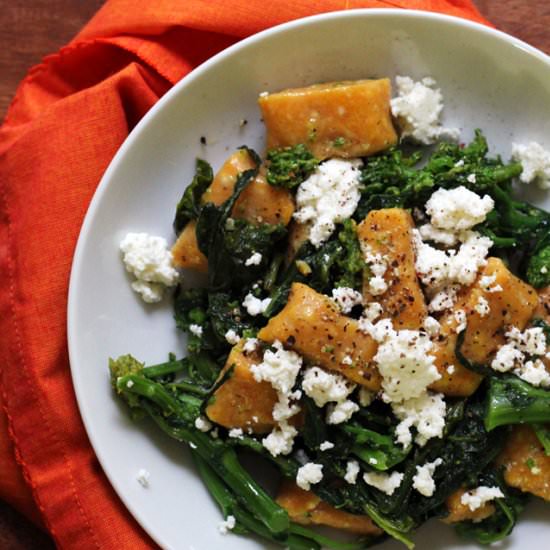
(69, 117)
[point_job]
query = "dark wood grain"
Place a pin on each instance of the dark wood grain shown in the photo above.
(31, 29)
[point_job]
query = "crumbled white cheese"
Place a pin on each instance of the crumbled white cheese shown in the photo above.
(431, 326)
(255, 259)
(281, 439)
(284, 408)
(384, 482)
(372, 311)
(324, 387)
(380, 331)
(143, 477)
(531, 340)
(458, 209)
(460, 318)
(471, 178)
(535, 373)
(446, 237)
(482, 307)
(486, 281)
(471, 256)
(431, 264)
(377, 266)
(506, 358)
(329, 196)
(195, 329)
(423, 481)
(130, 384)
(535, 161)
(406, 364)
(255, 306)
(326, 445)
(426, 413)
(279, 368)
(340, 412)
(439, 269)
(236, 433)
(150, 261)
(227, 525)
(250, 345)
(476, 498)
(308, 475)
(203, 424)
(346, 298)
(231, 337)
(451, 369)
(417, 108)
(366, 397)
(150, 293)
(347, 360)
(352, 471)
(444, 298)
(513, 356)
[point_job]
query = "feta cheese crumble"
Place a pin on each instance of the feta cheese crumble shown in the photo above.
(236, 433)
(377, 266)
(482, 307)
(326, 445)
(255, 306)
(384, 482)
(346, 298)
(196, 330)
(372, 311)
(535, 161)
(143, 477)
(458, 209)
(352, 471)
(338, 413)
(308, 475)
(431, 326)
(203, 424)
(446, 237)
(250, 345)
(418, 107)
(231, 337)
(255, 259)
(476, 498)
(514, 356)
(406, 364)
(227, 525)
(425, 413)
(151, 263)
(423, 481)
(324, 387)
(329, 196)
(366, 397)
(279, 368)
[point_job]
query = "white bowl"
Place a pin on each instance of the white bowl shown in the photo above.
(489, 80)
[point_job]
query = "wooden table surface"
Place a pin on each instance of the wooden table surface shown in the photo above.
(30, 29)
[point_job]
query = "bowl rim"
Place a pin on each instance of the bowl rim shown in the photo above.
(169, 96)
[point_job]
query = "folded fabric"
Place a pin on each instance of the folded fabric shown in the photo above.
(69, 117)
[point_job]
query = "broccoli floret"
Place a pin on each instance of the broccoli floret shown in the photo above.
(538, 268)
(124, 366)
(289, 166)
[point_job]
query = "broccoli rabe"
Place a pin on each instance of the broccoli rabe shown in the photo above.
(289, 166)
(513, 401)
(538, 268)
(189, 205)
